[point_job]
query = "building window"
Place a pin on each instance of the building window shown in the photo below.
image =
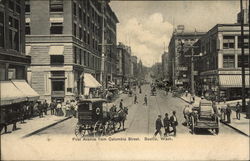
(75, 54)
(57, 85)
(74, 30)
(246, 40)
(228, 42)
(80, 13)
(56, 59)
(56, 5)
(27, 28)
(2, 29)
(18, 8)
(14, 33)
(228, 61)
(84, 36)
(27, 6)
(56, 28)
(11, 5)
(85, 58)
(246, 61)
(80, 33)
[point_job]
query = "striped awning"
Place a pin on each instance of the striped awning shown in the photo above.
(232, 81)
(90, 81)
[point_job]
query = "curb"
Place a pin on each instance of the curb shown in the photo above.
(46, 127)
(235, 129)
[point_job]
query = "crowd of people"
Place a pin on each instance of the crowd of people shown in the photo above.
(27, 110)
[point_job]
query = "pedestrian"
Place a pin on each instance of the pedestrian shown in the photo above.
(174, 123)
(22, 113)
(186, 93)
(40, 109)
(45, 107)
(166, 123)
(58, 108)
(140, 89)
(238, 110)
(52, 107)
(3, 123)
(135, 99)
(158, 125)
(67, 108)
(223, 113)
(228, 113)
(121, 104)
(14, 118)
(145, 100)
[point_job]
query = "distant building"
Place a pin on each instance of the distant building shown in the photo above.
(63, 37)
(245, 15)
(177, 63)
(124, 52)
(219, 69)
(134, 71)
(164, 60)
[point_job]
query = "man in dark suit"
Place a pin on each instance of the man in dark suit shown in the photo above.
(158, 125)
(166, 123)
(174, 122)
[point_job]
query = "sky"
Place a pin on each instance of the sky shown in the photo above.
(147, 25)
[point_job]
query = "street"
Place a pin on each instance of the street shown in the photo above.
(140, 127)
(141, 119)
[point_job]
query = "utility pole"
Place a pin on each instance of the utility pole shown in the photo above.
(242, 57)
(102, 75)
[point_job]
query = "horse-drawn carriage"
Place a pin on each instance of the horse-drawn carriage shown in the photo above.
(95, 118)
(205, 116)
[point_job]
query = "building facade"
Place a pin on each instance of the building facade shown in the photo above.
(164, 61)
(66, 44)
(13, 61)
(178, 46)
(219, 69)
(124, 53)
(134, 70)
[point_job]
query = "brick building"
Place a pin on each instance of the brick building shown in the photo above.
(177, 66)
(219, 69)
(65, 46)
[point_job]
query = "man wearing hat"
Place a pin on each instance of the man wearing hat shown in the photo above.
(158, 125)
(174, 122)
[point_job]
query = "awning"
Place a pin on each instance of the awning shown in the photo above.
(25, 88)
(56, 50)
(232, 81)
(9, 93)
(90, 81)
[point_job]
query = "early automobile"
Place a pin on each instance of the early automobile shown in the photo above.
(205, 116)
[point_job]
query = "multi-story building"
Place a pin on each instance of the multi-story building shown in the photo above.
(13, 61)
(219, 69)
(164, 61)
(177, 66)
(124, 53)
(65, 46)
(133, 68)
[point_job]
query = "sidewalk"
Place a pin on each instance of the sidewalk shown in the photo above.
(32, 126)
(241, 125)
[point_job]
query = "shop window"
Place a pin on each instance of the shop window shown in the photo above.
(228, 42)
(56, 5)
(246, 40)
(11, 73)
(228, 61)
(57, 85)
(56, 59)
(27, 6)
(56, 28)
(27, 28)
(246, 61)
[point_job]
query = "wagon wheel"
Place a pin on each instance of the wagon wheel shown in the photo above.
(108, 128)
(99, 129)
(80, 131)
(192, 125)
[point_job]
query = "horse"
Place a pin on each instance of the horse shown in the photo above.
(120, 117)
(187, 111)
